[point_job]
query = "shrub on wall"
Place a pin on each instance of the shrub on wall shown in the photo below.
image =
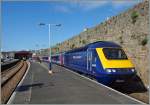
(121, 39)
(144, 41)
(73, 46)
(83, 42)
(134, 16)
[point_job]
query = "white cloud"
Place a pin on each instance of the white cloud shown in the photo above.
(89, 5)
(63, 9)
(82, 4)
(123, 3)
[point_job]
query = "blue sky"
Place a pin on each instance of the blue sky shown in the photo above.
(20, 19)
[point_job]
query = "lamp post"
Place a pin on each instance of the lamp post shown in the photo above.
(49, 35)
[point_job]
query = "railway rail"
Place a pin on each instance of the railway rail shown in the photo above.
(8, 64)
(10, 78)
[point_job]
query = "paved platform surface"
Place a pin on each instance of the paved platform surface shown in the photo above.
(63, 87)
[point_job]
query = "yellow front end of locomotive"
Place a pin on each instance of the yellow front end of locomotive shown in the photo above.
(113, 63)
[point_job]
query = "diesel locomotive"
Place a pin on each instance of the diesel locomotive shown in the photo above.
(104, 60)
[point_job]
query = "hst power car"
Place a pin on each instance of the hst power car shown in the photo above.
(104, 60)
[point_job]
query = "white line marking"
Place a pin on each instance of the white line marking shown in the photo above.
(20, 83)
(106, 87)
(30, 90)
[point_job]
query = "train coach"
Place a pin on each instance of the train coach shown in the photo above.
(58, 59)
(45, 58)
(104, 60)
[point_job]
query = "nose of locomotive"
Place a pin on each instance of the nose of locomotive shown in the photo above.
(114, 63)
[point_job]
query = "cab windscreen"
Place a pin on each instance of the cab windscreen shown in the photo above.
(114, 53)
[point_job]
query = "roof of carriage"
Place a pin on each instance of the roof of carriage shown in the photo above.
(102, 44)
(98, 44)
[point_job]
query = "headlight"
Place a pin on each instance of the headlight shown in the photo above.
(132, 70)
(108, 70)
(113, 70)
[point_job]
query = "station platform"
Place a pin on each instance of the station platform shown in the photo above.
(63, 87)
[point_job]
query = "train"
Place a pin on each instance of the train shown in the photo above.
(106, 61)
(45, 58)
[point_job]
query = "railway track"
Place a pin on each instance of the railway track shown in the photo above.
(10, 78)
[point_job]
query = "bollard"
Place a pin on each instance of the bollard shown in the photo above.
(50, 68)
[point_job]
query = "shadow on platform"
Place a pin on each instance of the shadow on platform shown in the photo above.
(134, 86)
(27, 87)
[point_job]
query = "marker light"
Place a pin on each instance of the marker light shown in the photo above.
(108, 70)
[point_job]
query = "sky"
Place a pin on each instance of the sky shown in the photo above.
(20, 19)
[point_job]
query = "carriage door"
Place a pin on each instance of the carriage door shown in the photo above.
(89, 61)
(94, 59)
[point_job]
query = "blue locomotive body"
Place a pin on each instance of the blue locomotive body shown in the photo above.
(106, 61)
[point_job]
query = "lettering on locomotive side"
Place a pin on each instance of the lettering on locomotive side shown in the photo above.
(76, 57)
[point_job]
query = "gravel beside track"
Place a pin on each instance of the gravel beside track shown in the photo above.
(10, 79)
